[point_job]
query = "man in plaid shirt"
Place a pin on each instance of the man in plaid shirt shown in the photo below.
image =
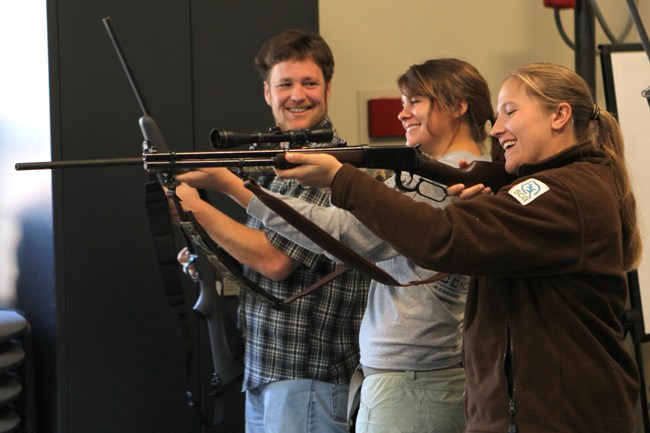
(299, 359)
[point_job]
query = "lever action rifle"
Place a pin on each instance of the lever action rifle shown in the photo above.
(396, 158)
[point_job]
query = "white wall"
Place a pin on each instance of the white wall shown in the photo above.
(374, 41)
(24, 129)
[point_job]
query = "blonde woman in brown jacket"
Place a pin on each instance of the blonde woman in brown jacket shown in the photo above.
(543, 340)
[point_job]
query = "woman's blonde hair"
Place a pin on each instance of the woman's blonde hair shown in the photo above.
(552, 84)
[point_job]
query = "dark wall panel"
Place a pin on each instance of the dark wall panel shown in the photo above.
(226, 38)
(118, 364)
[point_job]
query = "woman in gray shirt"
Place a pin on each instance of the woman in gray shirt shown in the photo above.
(410, 337)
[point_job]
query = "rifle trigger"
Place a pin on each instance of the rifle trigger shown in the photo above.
(400, 184)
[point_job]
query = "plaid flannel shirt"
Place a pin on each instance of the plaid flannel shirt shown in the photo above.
(315, 337)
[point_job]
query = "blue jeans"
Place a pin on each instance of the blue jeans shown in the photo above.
(297, 406)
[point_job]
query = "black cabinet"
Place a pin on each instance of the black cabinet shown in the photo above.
(108, 351)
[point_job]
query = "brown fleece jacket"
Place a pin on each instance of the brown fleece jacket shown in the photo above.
(543, 345)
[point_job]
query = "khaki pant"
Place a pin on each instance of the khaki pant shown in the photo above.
(413, 402)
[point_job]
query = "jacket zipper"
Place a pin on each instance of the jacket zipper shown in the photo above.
(509, 370)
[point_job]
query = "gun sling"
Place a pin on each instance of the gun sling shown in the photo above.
(329, 243)
(229, 268)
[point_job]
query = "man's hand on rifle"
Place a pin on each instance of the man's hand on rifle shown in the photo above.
(189, 197)
(217, 179)
(209, 178)
(317, 169)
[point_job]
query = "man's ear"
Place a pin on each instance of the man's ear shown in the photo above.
(267, 93)
(328, 91)
(561, 115)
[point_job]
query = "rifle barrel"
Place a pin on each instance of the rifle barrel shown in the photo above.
(79, 163)
(198, 163)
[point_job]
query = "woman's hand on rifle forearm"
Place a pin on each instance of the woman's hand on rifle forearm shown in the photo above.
(315, 169)
(461, 192)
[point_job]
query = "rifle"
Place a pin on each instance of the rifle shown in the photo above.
(226, 353)
(396, 158)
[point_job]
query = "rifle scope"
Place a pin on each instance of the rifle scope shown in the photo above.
(222, 139)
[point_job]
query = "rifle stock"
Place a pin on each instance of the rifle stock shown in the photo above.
(396, 158)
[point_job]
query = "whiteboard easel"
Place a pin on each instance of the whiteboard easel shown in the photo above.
(626, 73)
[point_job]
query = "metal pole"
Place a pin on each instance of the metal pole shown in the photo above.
(634, 11)
(585, 41)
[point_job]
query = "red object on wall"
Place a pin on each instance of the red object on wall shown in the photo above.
(382, 118)
(560, 4)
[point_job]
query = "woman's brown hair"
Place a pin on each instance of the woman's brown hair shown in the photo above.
(447, 81)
